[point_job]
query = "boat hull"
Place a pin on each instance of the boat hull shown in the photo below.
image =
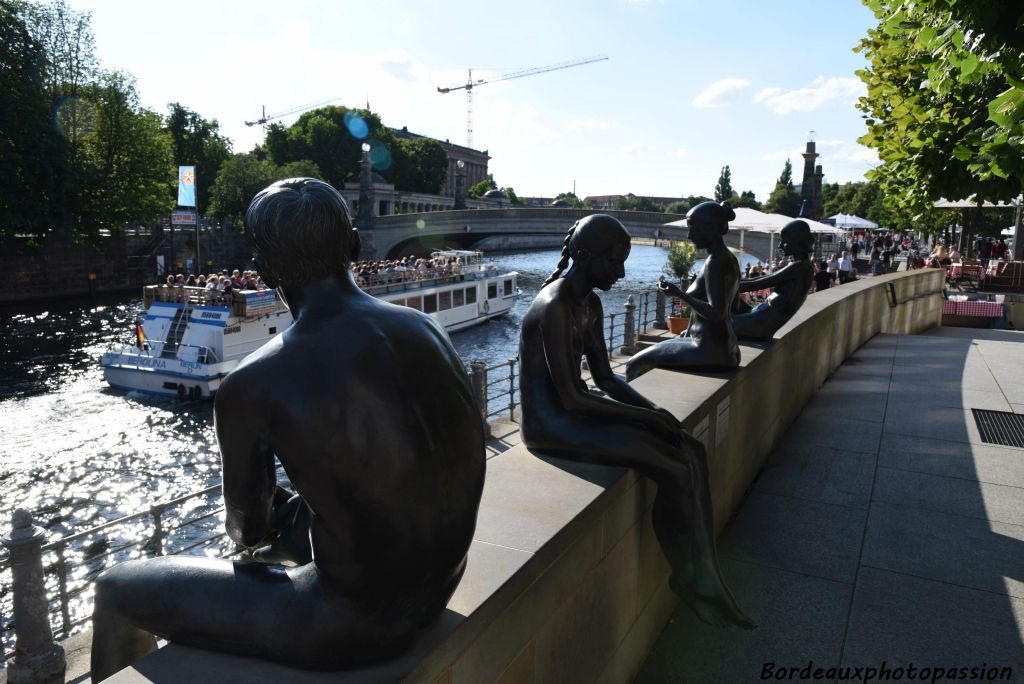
(137, 372)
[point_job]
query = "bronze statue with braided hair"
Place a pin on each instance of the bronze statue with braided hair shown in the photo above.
(564, 419)
(709, 344)
(791, 283)
(391, 472)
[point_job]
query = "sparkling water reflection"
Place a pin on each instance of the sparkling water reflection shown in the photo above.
(77, 453)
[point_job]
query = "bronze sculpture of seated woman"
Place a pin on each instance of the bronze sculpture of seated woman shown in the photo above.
(710, 343)
(792, 283)
(563, 418)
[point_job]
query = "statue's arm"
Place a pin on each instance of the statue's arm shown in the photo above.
(565, 374)
(249, 478)
(783, 275)
(601, 369)
(715, 308)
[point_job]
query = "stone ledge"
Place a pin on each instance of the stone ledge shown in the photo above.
(565, 579)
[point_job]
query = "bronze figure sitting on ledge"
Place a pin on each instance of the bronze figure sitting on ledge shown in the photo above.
(562, 418)
(710, 343)
(391, 472)
(792, 283)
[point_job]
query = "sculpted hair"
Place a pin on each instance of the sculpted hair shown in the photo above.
(798, 233)
(586, 235)
(300, 231)
(714, 212)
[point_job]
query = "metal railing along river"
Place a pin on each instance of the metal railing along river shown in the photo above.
(194, 523)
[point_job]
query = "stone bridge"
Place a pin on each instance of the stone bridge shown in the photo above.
(516, 228)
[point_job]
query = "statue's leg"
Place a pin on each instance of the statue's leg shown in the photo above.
(256, 610)
(668, 354)
(683, 515)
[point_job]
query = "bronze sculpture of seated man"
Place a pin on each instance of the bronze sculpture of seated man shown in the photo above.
(563, 418)
(391, 473)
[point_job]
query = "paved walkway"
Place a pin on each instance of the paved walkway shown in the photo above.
(882, 532)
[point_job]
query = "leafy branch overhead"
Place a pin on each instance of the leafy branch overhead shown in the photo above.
(945, 99)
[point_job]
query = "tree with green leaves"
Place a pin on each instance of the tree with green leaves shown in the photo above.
(945, 100)
(35, 198)
(241, 176)
(420, 165)
(634, 203)
(723, 188)
(570, 198)
(482, 187)
(197, 142)
(745, 199)
(784, 199)
(126, 167)
(513, 198)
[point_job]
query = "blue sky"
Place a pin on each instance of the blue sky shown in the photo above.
(688, 86)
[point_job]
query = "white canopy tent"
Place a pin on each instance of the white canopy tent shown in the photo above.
(851, 222)
(761, 222)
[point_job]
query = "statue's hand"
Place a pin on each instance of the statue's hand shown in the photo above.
(670, 288)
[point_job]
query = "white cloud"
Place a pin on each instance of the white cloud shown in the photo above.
(721, 93)
(822, 90)
(589, 125)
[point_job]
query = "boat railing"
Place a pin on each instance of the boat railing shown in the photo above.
(193, 523)
(243, 303)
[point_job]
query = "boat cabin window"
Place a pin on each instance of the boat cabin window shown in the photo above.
(430, 303)
(444, 301)
(492, 290)
(458, 298)
(507, 287)
(415, 303)
(471, 295)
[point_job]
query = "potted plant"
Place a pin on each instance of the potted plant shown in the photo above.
(681, 255)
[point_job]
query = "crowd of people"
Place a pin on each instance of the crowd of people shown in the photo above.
(383, 272)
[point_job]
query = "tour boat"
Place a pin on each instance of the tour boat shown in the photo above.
(192, 337)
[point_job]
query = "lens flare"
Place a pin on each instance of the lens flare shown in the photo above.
(356, 125)
(74, 117)
(380, 156)
(421, 224)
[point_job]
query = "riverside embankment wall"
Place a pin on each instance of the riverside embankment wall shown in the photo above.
(565, 580)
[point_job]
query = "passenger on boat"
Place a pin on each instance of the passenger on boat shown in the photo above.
(565, 419)
(387, 557)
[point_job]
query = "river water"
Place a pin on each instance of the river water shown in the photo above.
(77, 453)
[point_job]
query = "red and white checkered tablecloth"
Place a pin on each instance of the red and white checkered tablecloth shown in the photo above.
(977, 308)
(972, 308)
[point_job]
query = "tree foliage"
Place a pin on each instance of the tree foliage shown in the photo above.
(34, 169)
(723, 188)
(746, 199)
(681, 256)
(197, 141)
(482, 187)
(784, 199)
(569, 197)
(634, 203)
(945, 100)
(241, 176)
(332, 138)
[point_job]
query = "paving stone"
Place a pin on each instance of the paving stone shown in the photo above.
(979, 462)
(809, 537)
(821, 427)
(936, 422)
(902, 396)
(825, 474)
(899, 620)
(800, 618)
(950, 548)
(995, 502)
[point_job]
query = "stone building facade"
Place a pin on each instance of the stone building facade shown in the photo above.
(475, 161)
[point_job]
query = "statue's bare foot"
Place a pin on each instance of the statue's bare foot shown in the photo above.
(711, 601)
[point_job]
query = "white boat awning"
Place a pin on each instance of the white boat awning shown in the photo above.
(849, 221)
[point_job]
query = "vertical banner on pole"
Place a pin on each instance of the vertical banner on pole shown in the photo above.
(186, 186)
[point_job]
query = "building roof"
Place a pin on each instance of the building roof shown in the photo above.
(404, 132)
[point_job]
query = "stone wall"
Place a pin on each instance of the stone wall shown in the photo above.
(565, 580)
(60, 269)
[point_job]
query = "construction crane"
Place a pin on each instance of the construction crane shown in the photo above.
(262, 121)
(470, 84)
